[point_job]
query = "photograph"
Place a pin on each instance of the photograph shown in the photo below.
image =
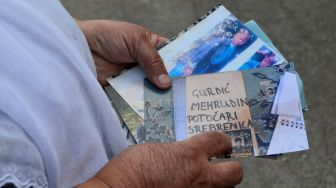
(213, 52)
(264, 57)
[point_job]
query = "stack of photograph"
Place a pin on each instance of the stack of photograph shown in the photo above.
(226, 76)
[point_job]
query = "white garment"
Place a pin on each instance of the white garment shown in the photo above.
(48, 86)
(21, 163)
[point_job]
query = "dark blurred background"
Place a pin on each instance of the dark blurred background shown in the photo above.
(303, 30)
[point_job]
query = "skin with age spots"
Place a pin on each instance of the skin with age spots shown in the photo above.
(181, 164)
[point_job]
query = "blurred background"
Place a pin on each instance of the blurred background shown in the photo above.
(303, 30)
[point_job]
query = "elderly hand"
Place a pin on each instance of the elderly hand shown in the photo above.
(117, 45)
(181, 164)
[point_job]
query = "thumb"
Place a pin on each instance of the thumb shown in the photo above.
(150, 60)
(210, 143)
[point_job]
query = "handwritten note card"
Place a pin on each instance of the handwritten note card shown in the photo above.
(217, 102)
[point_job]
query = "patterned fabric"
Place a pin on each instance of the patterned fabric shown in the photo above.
(21, 164)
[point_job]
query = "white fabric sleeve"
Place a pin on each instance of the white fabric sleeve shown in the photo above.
(21, 164)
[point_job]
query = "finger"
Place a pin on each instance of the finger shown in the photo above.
(150, 60)
(157, 40)
(226, 174)
(210, 143)
(105, 69)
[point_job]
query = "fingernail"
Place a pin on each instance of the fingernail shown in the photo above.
(164, 79)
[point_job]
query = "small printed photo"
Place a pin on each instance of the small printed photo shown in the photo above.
(214, 51)
(241, 141)
(158, 121)
(264, 57)
(238, 142)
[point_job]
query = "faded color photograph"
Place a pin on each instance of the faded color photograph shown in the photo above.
(264, 57)
(159, 114)
(214, 51)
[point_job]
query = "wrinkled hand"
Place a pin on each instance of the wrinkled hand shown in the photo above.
(179, 165)
(117, 45)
